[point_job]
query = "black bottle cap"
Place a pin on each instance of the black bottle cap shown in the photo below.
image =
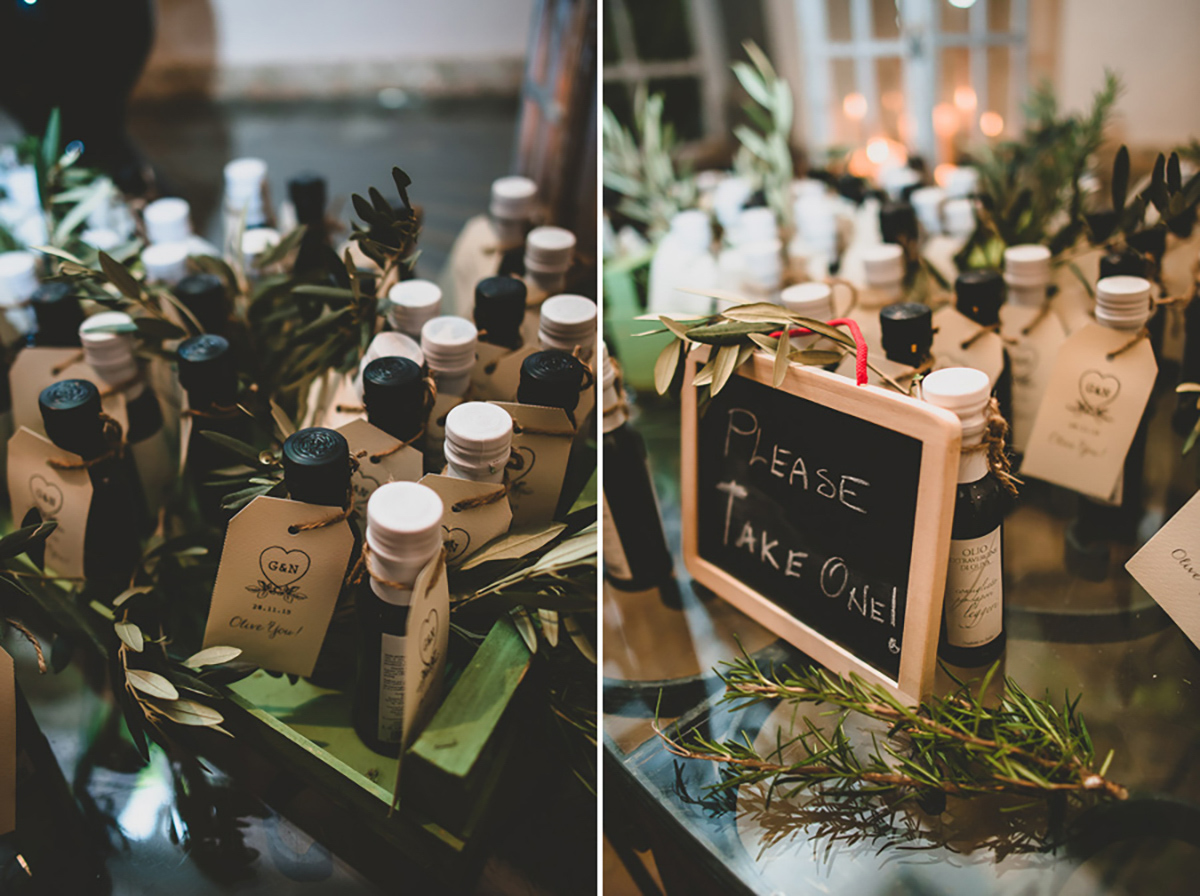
(206, 370)
(1123, 263)
(316, 466)
(1153, 241)
(500, 308)
(852, 188)
(907, 331)
(394, 393)
(980, 294)
(204, 296)
(308, 193)
(897, 222)
(71, 414)
(551, 379)
(59, 315)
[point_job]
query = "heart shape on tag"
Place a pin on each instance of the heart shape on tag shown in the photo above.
(428, 637)
(283, 567)
(1098, 390)
(457, 541)
(46, 495)
(521, 464)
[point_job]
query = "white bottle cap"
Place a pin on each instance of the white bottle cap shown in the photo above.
(816, 218)
(404, 532)
(244, 179)
(165, 262)
(927, 203)
(388, 344)
(411, 303)
(812, 300)
(692, 229)
(102, 238)
(258, 240)
(549, 250)
(109, 353)
(478, 441)
(21, 185)
(168, 220)
(895, 178)
(513, 198)
(959, 217)
(1123, 303)
(808, 188)
(762, 264)
(728, 198)
(756, 225)
(449, 344)
(568, 321)
(962, 181)
(963, 390)
(883, 264)
(18, 277)
(1027, 265)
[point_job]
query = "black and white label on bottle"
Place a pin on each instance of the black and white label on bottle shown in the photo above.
(615, 561)
(974, 591)
(391, 688)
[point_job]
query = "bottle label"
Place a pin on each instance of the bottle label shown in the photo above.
(974, 591)
(391, 688)
(616, 564)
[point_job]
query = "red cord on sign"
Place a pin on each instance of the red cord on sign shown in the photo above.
(860, 344)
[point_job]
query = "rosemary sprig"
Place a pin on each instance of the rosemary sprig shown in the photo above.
(952, 744)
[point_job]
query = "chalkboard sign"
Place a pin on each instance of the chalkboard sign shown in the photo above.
(822, 509)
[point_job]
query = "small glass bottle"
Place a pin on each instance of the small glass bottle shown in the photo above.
(71, 415)
(394, 393)
(567, 323)
(205, 297)
(500, 311)
(883, 270)
(813, 300)
(404, 532)
(549, 252)
(59, 316)
(111, 356)
(448, 344)
(168, 220)
(478, 442)
(510, 213)
(762, 270)
(636, 555)
(973, 609)
(315, 255)
(979, 295)
(207, 374)
(898, 225)
(165, 262)
(1122, 303)
(411, 304)
(245, 197)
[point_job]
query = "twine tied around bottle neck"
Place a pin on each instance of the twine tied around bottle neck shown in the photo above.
(339, 517)
(994, 444)
(363, 566)
(1137, 337)
(515, 462)
(113, 436)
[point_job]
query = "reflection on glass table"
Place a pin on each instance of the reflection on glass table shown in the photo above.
(1075, 624)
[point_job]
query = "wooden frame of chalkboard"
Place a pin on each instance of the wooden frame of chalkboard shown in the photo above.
(844, 523)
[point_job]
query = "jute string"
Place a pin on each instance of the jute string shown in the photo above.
(116, 448)
(994, 444)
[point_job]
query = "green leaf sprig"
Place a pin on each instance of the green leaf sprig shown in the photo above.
(766, 155)
(954, 744)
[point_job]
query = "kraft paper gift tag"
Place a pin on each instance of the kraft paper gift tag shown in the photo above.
(33, 370)
(332, 401)
(435, 426)
(497, 372)
(1032, 355)
(541, 444)
(475, 256)
(8, 745)
(467, 529)
(952, 333)
(1091, 412)
(425, 651)
(276, 587)
(61, 495)
(378, 462)
(1168, 567)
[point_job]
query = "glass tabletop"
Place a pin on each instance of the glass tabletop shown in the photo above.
(1067, 632)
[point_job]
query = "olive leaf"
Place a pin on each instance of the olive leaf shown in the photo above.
(726, 364)
(1120, 178)
(118, 275)
(666, 365)
(130, 635)
(151, 683)
(212, 656)
(515, 545)
(189, 712)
